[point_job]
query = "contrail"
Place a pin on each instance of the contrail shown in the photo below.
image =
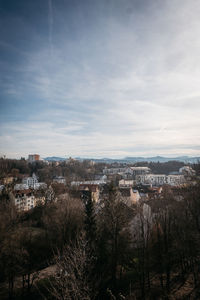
(50, 19)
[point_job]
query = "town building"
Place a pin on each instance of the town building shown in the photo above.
(25, 200)
(113, 171)
(89, 182)
(30, 181)
(129, 195)
(151, 179)
(127, 172)
(8, 180)
(175, 180)
(59, 179)
(160, 179)
(127, 183)
(33, 158)
(187, 171)
(132, 172)
(93, 189)
(21, 186)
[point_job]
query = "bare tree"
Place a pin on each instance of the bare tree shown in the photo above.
(74, 276)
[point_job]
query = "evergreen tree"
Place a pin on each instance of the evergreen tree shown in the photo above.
(90, 222)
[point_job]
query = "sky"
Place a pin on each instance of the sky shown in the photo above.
(99, 78)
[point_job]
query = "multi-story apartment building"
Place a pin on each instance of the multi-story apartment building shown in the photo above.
(159, 179)
(25, 200)
(175, 179)
(113, 171)
(33, 158)
(128, 172)
(129, 195)
(132, 172)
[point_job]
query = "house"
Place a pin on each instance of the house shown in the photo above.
(8, 180)
(132, 172)
(129, 195)
(126, 183)
(91, 188)
(101, 181)
(30, 181)
(59, 179)
(113, 171)
(21, 186)
(25, 200)
(187, 171)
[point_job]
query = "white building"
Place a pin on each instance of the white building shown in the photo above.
(160, 179)
(126, 183)
(175, 179)
(21, 186)
(59, 179)
(187, 171)
(127, 172)
(114, 171)
(25, 200)
(30, 181)
(40, 185)
(89, 182)
(151, 179)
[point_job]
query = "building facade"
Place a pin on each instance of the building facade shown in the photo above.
(160, 179)
(33, 158)
(30, 181)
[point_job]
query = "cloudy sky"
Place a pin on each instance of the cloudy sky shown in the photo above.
(99, 78)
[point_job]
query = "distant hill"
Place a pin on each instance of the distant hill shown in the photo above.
(54, 158)
(185, 159)
(161, 159)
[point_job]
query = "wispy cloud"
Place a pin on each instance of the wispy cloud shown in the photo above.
(50, 19)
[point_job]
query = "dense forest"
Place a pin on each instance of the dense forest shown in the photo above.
(76, 249)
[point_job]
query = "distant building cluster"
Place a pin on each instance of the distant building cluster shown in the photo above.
(142, 175)
(134, 184)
